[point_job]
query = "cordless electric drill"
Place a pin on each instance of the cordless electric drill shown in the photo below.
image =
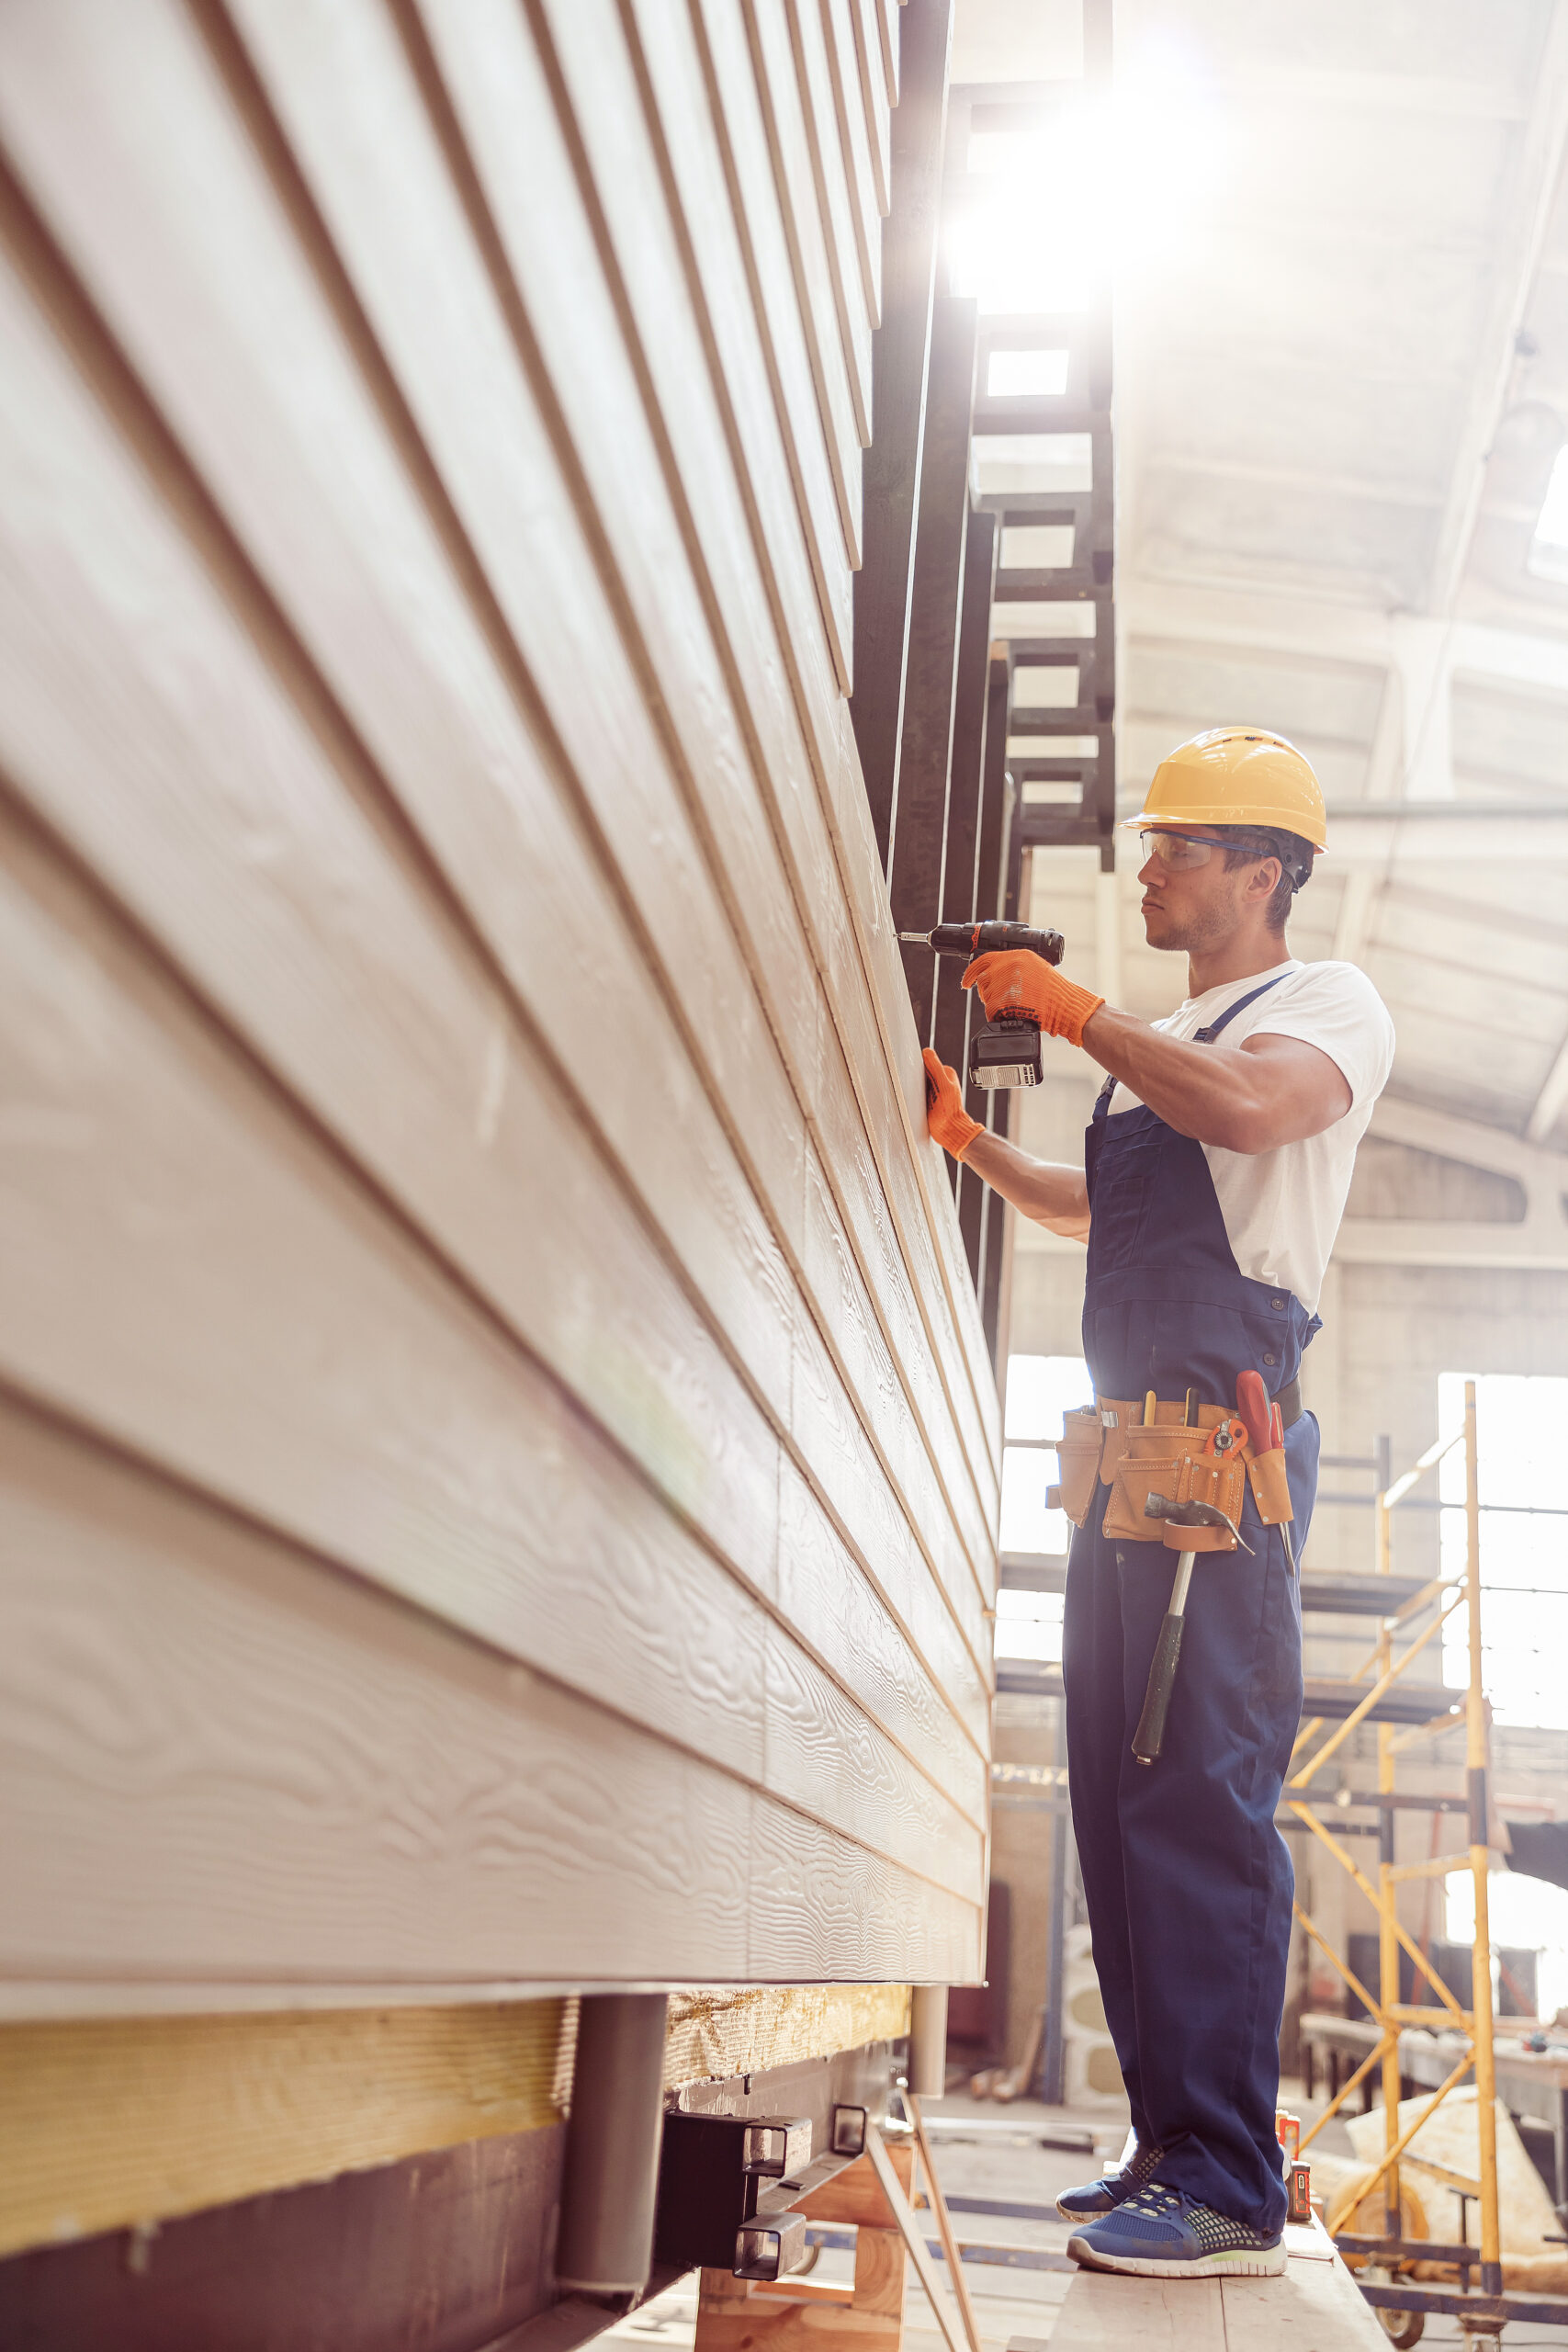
(1007, 1051)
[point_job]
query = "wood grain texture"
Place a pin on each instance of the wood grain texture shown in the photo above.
(779, 588)
(712, 753)
(108, 2124)
(730, 2318)
(812, 845)
(846, 230)
(809, 1891)
(713, 130)
(855, 138)
(469, 1108)
(222, 1765)
(857, 1625)
(1104, 2313)
(588, 49)
(474, 1073)
(1315, 2307)
(867, 40)
(639, 519)
(854, 2199)
(1312, 2306)
(840, 357)
(886, 19)
(349, 1398)
(716, 2036)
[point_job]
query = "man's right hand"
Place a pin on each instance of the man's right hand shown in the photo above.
(947, 1120)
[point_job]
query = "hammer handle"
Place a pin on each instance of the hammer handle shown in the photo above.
(1149, 1737)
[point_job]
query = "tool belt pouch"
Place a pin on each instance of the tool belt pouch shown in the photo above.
(1078, 1458)
(1271, 1488)
(1170, 1461)
(1220, 1479)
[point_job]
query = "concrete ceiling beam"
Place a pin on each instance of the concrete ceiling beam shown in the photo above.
(1517, 259)
(1550, 1101)
(1299, 628)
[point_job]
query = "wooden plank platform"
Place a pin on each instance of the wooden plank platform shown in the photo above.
(1313, 2307)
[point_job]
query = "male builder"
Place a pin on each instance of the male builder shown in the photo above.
(1216, 1171)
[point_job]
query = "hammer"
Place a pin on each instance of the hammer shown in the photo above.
(1149, 1737)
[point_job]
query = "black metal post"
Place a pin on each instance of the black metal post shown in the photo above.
(901, 349)
(916, 857)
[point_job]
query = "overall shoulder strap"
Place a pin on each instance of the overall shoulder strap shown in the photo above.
(1206, 1035)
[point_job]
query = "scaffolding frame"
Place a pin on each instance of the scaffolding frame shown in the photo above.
(1484, 2312)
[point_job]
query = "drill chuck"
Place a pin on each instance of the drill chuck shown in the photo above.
(972, 939)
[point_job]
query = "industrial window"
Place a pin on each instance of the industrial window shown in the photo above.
(1524, 1625)
(1040, 1389)
(1548, 554)
(1524, 1543)
(1024, 375)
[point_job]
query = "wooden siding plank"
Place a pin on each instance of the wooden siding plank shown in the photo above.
(854, 1622)
(619, 461)
(886, 18)
(224, 1763)
(528, 178)
(809, 1891)
(823, 1754)
(411, 1446)
(838, 339)
(759, 1089)
(705, 114)
(866, 937)
(828, 139)
(378, 689)
(874, 107)
(854, 140)
(245, 1315)
(754, 440)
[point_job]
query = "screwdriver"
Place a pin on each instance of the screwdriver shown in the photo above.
(1265, 1432)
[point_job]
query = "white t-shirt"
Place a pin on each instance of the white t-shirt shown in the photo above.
(1282, 1209)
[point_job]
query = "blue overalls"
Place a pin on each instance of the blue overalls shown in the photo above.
(1186, 1881)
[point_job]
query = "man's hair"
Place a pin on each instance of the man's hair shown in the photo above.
(1244, 843)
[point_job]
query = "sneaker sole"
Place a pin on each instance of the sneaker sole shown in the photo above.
(1269, 2262)
(1077, 2213)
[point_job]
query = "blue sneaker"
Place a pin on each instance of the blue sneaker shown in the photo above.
(1112, 2189)
(1159, 2232)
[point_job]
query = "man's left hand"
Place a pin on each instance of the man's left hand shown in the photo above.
(1014, 980)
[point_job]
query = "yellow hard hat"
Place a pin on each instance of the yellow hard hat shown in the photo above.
(1237, 775)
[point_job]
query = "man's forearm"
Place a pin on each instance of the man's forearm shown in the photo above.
(1047, 1192)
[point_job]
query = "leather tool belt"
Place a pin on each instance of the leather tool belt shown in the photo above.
(1109, 1444)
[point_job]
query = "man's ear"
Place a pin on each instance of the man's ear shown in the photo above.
(1264, 879)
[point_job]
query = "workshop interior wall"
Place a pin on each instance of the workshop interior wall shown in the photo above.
(498, 1438)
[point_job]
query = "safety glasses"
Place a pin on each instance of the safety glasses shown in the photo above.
(1179, 851)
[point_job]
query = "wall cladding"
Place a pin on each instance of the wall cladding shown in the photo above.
(502, 1442)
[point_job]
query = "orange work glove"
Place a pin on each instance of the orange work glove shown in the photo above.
(1015, 981)
(946, 1118)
